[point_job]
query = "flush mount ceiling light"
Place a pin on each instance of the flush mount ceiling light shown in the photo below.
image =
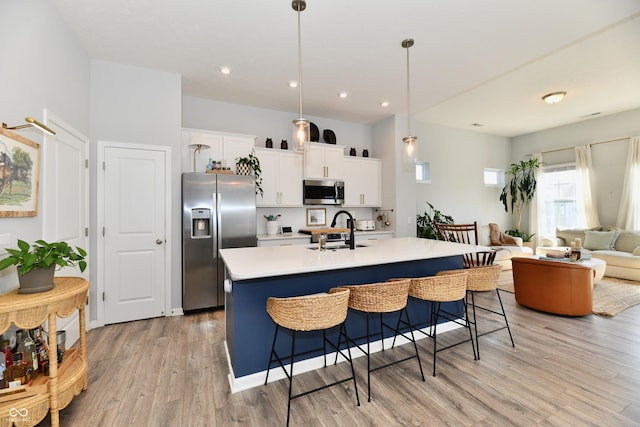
(301, 128)
(554, 97)
(31, 122)
(409, 149)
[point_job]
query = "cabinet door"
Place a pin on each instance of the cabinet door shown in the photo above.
(314, 162)
(234, 147)
(371, 182)
(323, 161)
(269, 161)
(290, 179)
(215, 144)
(352, 182)
(334, 157)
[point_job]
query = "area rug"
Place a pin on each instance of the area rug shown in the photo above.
(610, 295)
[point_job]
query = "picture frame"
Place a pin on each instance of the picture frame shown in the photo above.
(316, 216)
(19, 175)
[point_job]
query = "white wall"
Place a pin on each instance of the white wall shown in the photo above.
(609, 159)
(43, 67)
(457, 159)
(201, 113)
(139, 106)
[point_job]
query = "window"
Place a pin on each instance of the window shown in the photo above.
(493, 177)
(423, 172)
(558, 195)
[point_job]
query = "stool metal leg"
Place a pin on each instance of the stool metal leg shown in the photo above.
(293, 347)
(434, 316)
(506, 322)
(273, 346)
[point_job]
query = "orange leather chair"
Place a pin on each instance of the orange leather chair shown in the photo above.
(553, 286)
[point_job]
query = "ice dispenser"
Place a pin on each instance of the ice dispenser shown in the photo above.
(200, 223)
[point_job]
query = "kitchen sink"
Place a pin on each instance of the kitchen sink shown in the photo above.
(335, 247)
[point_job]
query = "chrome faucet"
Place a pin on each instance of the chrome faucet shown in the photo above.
(352, 238)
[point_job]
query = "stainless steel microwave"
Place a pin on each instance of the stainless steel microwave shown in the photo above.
(323, 192)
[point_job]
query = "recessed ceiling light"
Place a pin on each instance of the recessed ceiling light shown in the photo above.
(343, 95)
(225, 70)
(293, 84)
(384, 104)
(554, 97)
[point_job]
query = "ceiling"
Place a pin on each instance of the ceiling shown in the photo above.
(474, 62)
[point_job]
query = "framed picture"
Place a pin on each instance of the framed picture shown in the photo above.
(316, 216)
(19, 175)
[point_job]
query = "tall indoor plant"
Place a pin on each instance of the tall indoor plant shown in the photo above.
(36, 263)
(426, 223)
(519, 191)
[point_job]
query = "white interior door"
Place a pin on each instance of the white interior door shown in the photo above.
(135, 194)
(65, 211)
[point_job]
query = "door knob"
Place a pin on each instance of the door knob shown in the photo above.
(158, 242)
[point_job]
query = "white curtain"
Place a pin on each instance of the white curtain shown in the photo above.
(587, 211)
(629, 212)
(536, 206)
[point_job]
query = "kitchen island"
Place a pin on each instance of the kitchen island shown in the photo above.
(254, 274)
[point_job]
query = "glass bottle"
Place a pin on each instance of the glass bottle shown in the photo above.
(15, 374)
(30, 357)
(6, 349)
(3, 366)
(39, 348)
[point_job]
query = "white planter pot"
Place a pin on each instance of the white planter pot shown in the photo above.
(272, 227)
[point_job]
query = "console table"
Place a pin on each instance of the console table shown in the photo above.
(27, 405)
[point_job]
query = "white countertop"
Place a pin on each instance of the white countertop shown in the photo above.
(257, 262)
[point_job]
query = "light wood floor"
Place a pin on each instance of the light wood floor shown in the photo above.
(562, 372)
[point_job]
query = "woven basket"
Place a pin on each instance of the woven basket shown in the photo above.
(310, 312)
(383, 297)
(440, 288)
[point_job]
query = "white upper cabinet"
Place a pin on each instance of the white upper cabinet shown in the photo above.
(362, 182)
(323, 161)
(281, 177)
(223, 147)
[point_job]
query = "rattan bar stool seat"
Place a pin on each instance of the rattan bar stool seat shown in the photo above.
(442, 289)
(484, 279)
(317, 312)
(379, 298)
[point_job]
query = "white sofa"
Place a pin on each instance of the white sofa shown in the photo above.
(504, 253)
(620, 249)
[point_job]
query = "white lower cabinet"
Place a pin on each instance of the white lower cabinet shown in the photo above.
(281, 173)
(362, 182)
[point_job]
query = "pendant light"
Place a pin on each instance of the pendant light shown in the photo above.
(409, 146)
(301, 127)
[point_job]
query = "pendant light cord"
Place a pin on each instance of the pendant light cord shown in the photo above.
(299, 62)
(408, 92)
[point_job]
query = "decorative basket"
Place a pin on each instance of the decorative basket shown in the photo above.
(242, 169)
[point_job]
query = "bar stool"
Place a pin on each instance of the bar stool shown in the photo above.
(486, 279)
(440, 289)
(379, 298)
(317, 312)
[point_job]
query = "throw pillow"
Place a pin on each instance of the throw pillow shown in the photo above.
(599, 240)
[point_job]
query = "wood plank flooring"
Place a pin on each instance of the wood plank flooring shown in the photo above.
(563, 371)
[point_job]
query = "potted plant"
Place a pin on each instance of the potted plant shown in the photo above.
(36, 263)
(248, 165)
(272, 223)
(426, 223)
(519, 191)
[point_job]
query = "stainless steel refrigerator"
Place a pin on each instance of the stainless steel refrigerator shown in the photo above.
(218, 211)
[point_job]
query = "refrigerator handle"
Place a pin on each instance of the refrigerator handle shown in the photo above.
(217, 224)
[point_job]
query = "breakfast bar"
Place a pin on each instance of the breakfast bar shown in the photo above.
(254, 274)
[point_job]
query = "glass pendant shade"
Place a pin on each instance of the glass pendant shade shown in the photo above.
(409, 149)
(301, 131)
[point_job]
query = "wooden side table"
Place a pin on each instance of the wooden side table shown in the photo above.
(27, 405)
